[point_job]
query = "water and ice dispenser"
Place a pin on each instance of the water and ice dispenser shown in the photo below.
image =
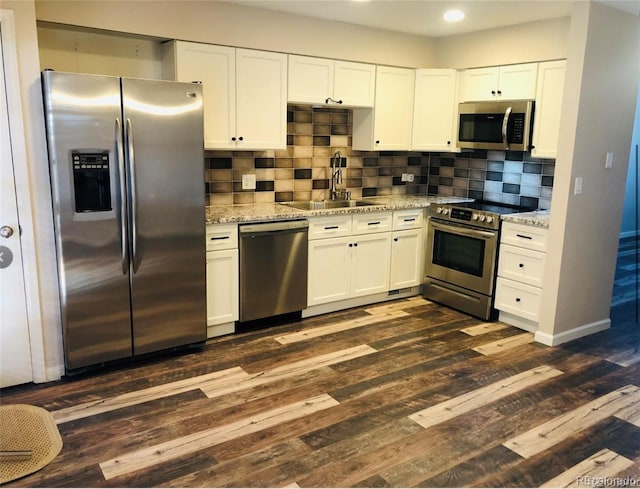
(91, 181)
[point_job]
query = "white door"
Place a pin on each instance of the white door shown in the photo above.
(15, 353)
(370, 264)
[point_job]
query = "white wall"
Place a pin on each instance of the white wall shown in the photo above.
(235, 25)
(535, 41)
(36, 220)
(597, 116)
(630, 197)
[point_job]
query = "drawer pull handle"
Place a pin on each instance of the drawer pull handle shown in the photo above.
(521, 265)
(410, 219)
(217, 238)
(373, 223)
(330, 227)
(523, 236)
(517, 299)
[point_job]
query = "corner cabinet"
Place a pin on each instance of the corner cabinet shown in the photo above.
(434, 110)
(245, 93)
(222, 279)
(387, 127)
(546, 124)
(328, 82)
(511, 82)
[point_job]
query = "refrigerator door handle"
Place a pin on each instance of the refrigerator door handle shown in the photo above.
(132, 195)
(123, 200)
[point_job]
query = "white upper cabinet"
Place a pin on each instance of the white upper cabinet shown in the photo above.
(387, 127)
(245, 93)
(546, 123)
(511, 82)
(434, 110)
(321, 81)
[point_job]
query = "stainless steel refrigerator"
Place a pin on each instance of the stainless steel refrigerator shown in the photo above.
(126, 163)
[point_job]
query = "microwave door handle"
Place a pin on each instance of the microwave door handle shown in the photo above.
(505, 124)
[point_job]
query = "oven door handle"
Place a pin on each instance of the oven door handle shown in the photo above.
(463, 230)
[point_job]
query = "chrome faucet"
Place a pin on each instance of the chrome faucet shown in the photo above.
(336, 175)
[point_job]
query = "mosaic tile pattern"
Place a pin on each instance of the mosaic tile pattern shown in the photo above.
(314, 135)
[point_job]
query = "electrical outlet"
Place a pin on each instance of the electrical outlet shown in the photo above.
(248, 182)
(410, 177)
(404, 177)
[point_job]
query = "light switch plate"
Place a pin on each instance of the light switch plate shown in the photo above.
(577, 189)
(608, 162)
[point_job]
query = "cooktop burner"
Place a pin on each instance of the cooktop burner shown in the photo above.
(478, 214)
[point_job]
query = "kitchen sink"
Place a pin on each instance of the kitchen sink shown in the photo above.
(312, 205)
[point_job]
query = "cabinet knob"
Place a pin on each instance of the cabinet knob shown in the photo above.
(448, 143)
(350, 245)
(233, 138)
(377, 141)
(355, 244)
(517, 299)
(240, 138)
(395, 239)
(521, 265)
(493, 92)
(499, 92)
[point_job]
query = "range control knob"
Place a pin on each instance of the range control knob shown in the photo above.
(439, 210)
(482, 217)
(445, 211)
(474, 217)
(489, 219)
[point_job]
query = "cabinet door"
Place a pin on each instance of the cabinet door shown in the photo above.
(214, 66)
(222, 287)
(261, 100)
(407, 250)
(388, 125)
(354, 84)
(329, 270)
(518, 82)
(370, 264)
(479, 84)
(310, 79)
(434, 110)
(546, 124)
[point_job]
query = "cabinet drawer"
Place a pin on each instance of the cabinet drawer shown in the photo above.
(329, 227)
(531, 237)
(518, 299)
(375, 222)
(521, 264)
(409, 219)
(222, 236)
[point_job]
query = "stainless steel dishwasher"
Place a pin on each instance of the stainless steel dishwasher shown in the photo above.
(273, 268)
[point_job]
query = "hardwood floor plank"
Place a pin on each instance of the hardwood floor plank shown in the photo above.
(548, 434)
(479, 397)
(310, 333)
(148, 456)
(99, 406)
(602, 465)
(505, 344)
(279, 373)
(484, 328)
(626, 357)
(630, 414)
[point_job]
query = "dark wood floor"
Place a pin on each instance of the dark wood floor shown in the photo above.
(402, 394)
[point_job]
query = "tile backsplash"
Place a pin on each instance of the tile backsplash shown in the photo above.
(314, 135)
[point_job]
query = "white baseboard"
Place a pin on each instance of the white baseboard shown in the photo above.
(220, 329)
(572, 334)
(518, 322)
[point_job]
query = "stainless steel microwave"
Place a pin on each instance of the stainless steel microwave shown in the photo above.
(496, 125)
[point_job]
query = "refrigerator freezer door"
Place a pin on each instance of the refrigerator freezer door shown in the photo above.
(82, 113)
(165, 158)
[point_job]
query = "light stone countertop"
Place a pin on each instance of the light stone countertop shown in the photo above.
(535, 218)
(225, 214)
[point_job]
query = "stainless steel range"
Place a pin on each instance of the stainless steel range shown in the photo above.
(462, 253)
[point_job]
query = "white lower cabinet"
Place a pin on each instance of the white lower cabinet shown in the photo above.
(407, 249)
(222, 279)
(520, 274)
(352, 265)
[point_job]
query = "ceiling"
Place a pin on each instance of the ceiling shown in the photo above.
(424, 17)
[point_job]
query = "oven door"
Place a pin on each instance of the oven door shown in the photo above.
(462, 255)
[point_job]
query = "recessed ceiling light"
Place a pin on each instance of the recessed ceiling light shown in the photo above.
(453, 15)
